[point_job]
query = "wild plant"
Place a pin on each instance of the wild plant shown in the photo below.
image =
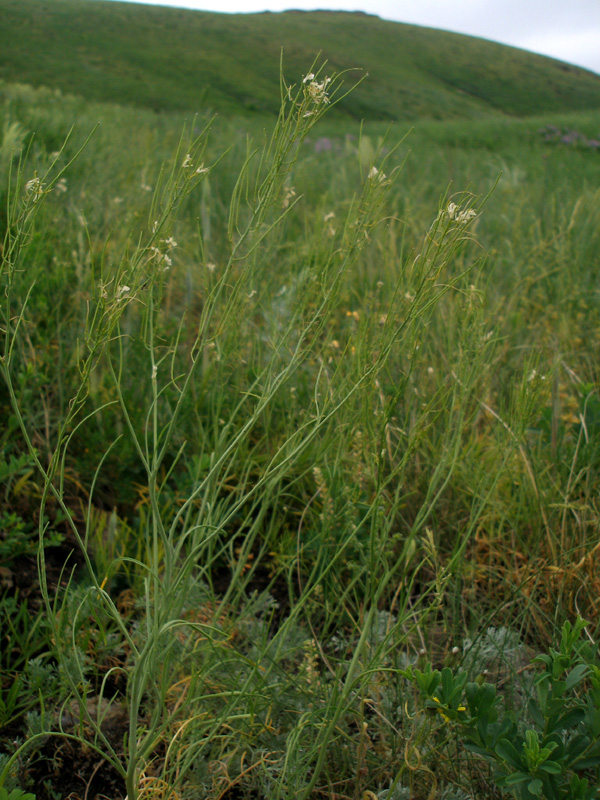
(259, 391)
(548, 747)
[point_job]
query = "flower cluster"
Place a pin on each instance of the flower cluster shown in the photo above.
(376, 175)
(440, 710)
(187, 164)
(457, 215)
(315, 91)
(34, 189)
(161, 256)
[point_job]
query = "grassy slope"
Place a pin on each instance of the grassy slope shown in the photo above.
(172, 59)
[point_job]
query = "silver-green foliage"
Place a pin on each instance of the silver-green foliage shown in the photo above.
(204, 668)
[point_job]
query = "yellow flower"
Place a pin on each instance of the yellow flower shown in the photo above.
(445, 716)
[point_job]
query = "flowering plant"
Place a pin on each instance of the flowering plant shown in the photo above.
(555, 753)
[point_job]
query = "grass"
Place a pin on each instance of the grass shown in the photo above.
(288, 428)
(178, 60)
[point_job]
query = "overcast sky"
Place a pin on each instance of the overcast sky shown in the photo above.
(565, 29)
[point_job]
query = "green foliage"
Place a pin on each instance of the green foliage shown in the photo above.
(553, 751)
(299, 415)
(16, 794)
(24, 671)
(19, 538)
(15, 466)
(189, 531)
(179, 60)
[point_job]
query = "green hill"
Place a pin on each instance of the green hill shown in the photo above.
(173, 59)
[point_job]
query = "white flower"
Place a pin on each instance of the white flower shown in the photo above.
(375, 174)
(34, 188)
(33, 185)
(315, 90)
(535, 375)
(161, 258)
(123, 290)
(170, 242)
(457, 215)
(187, 161)
(202, 169)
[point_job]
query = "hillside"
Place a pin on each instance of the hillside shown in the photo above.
(172, 59)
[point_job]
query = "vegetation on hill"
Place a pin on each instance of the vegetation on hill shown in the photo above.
(172, 59)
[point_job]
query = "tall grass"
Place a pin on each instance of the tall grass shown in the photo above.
(300, 428)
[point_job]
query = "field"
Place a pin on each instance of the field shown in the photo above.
(300, 453)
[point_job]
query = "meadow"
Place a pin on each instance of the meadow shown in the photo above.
(300, 453)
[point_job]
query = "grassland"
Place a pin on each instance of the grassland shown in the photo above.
(296, 415)
(178, 60)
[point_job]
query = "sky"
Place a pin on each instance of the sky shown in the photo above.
(565, 29)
